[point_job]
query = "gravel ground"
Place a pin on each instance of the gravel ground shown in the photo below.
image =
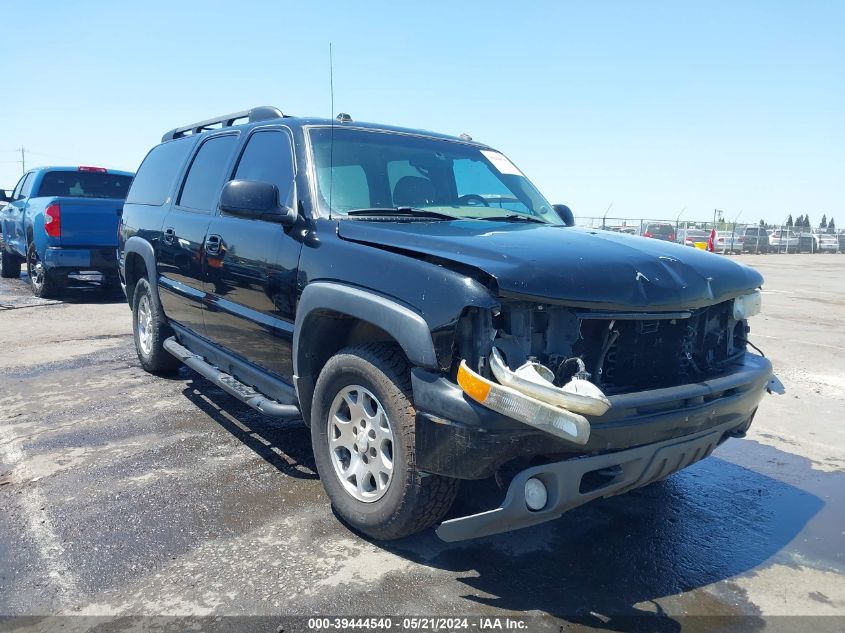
(123, 494)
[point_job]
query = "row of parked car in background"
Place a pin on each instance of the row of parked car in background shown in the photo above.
(748, 239)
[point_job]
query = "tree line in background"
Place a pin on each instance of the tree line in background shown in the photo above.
(803, 222)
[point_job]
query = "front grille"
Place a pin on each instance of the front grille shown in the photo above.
(634, 355)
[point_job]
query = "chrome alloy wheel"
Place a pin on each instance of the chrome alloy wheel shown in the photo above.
(360, 443)
(35, 269)
(145, 325)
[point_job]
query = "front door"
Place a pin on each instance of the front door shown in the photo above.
(181, 254)
(13, 215)
(251, 264)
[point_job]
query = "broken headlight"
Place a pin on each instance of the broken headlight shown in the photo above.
(519, 406)
(747, 306)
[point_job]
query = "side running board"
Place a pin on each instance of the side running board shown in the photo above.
(230, 384)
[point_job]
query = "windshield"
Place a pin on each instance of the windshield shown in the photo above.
(367, 169)
(84, 184)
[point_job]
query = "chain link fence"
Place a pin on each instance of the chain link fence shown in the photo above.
(735, 237)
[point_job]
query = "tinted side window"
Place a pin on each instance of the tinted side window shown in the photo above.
(26, 187)
(17, 192)
(205, 176)
(157, 173)
(268, 158)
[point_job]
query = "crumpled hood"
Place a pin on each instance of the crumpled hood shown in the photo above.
(585, 267)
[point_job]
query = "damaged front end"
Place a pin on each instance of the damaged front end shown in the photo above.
(563, 405)
(553, 367)
(529, 395)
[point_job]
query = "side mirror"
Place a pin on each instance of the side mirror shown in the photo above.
(565, 214)
(255, 200)
(4, 197)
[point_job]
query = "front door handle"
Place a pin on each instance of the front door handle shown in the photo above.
(169, 234)
(213, 244)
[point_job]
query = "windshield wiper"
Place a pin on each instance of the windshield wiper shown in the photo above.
(401, 211)
(515, 217)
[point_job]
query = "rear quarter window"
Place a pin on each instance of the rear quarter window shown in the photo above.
(157, 174)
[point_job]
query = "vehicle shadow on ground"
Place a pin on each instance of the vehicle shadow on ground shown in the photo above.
(605, 564)
(81, 289)
(285, 445)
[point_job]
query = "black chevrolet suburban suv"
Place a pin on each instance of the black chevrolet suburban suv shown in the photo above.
(431, 318)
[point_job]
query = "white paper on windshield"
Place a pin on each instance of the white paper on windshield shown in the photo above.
(501, 162)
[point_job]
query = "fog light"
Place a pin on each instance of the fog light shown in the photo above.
(535, 494)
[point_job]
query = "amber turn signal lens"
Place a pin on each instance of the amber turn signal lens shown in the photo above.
(473, 386)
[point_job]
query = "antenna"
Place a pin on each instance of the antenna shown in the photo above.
(331, 141)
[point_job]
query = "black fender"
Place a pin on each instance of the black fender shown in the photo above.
(405, 326)
(140, 246)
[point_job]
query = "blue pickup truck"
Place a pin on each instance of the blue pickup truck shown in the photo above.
(62, 220)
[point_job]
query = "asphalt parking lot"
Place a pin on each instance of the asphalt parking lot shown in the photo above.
(127, 494)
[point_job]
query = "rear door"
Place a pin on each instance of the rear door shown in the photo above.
(181, 260)
(251, 282)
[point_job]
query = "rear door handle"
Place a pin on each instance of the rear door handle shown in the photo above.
(169, 234)
(213, 244)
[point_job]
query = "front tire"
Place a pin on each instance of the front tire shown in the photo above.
(363, 435)
(150, 330)
(45, 283)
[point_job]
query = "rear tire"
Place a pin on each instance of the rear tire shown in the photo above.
(10, 265)
(150, 330)
(395, 499)
(45, 283)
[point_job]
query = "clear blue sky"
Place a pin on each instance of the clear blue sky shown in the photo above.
(653, 106)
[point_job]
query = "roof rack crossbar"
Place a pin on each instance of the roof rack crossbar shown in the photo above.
(261, 113)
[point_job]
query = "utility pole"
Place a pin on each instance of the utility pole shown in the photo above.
(715, 211)
(678, 222)
(23, 160)
(733, 230)
(604, 217)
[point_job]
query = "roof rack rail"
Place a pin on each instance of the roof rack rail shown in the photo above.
(261, 113)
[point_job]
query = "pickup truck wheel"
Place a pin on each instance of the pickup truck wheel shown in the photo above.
(44, 283)
(150, 330)
(10, 265)
(362, 432)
